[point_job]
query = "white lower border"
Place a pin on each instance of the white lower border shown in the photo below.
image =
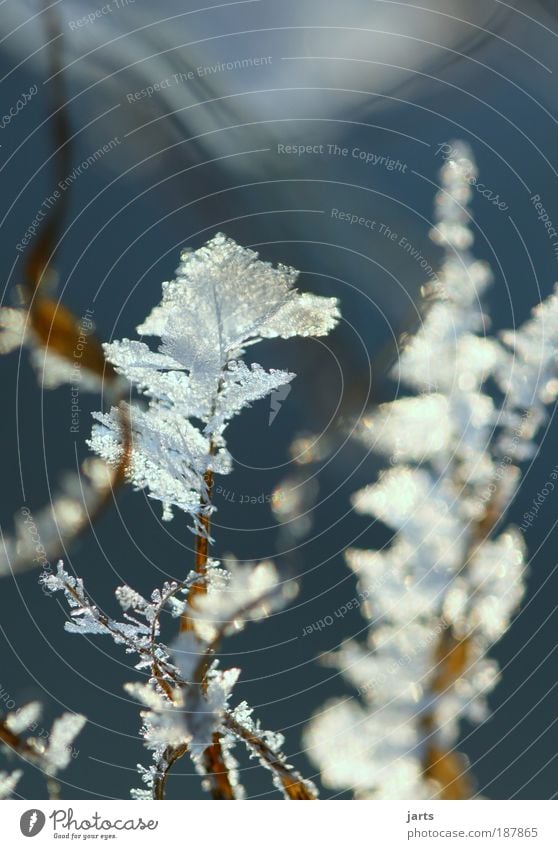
(340, 824)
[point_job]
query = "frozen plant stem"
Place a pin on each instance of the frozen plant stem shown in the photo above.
(201, 547)
(220, 782)
(50, 755)
(450, 582)
(292, 782)
(222, 300)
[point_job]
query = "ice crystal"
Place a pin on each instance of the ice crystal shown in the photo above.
(222, 299)
(62, 735)
(52, 750)
(252, 592)
(8, 782)
(449, 584)
(24, 718)
(179, 711)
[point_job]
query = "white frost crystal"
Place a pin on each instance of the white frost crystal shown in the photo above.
(222, 299)
(24, 718)
(251, 593)
(51, 751)
(8, 782)
(447, 580)
(63, 733)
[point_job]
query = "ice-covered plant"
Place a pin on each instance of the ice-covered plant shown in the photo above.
(222, 300)
(24, 737)
(451, 580)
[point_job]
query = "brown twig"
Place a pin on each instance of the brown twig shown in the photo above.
(201, 548)
(18, 744)
(54, 325)
(217, 771)
(213, 759)
(28, 750)
(170, 756)
(453, 658)
(447, 769)
(292, 782)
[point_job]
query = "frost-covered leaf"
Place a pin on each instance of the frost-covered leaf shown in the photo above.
(168, 455)
(24, 718)
(147, 695)
(240, 386)
(171, 444)
(252, 593)
(8, 782)
(222, 299)
(12, 329)
(63, 733)
(446, 587)
(374, 757)
(129, 599)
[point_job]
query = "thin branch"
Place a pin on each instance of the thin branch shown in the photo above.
(201, 547)
(170, 756)
(292, 782)
(29, 751)
(241, 613)
(18, 744)
(217, 771)
(453, 657)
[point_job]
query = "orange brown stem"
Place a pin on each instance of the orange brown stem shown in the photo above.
(214, 762)
(293, 784)
(201, 549)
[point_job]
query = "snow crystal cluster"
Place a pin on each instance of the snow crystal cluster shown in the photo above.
(450, 582)
(185, 698)
(50, 751)
(222, 300)
(8, 782)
